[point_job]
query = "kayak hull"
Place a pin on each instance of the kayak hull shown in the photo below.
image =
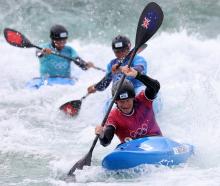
(149, 150)
(37, 83)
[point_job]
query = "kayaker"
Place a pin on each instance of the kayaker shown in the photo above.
(55, 66)
(134, 117)
(121, 46)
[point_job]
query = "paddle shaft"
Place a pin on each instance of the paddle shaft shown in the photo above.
(69, 58)
(142, 47)
(89, 154)
(112, 102)
(149, 22)
(84, 97)
(76, 62)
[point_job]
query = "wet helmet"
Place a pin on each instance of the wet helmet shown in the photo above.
(120, 42)
(126, 90)
(58, 32)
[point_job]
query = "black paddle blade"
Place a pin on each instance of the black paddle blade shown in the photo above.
(86, 160)
(71, 108)
(149, 22)
(15, 38)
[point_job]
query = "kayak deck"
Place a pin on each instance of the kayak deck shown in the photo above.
(38, 82)
(156, 150)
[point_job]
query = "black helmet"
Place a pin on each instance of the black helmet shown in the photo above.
(58, 32)
(126, 91)
(120, 42)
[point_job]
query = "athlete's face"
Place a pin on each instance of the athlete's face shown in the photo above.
(60, 44)
(121, 54)
(125, 106)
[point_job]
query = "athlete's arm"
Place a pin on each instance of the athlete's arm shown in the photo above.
(105, 135)
(152, 85)
(139, 68)
(103, 83)
(81, 63)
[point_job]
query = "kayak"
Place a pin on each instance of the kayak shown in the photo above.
(155, 150)
(38, 82)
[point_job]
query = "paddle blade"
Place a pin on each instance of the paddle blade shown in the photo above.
(15, 38)
(149, 22)
(85, 161)
(71, 108)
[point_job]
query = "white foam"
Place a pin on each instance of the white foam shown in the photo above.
(188, 70)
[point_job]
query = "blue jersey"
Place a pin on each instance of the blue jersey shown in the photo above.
(138, 63)
(55, 66)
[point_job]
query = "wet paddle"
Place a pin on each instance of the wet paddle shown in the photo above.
(17, 39)
(72, 108)
(149, 22)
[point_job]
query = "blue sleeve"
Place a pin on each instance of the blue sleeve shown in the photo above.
(104, 83)
(77, 60)
(109, 68)
(140, 64)
(73, 53)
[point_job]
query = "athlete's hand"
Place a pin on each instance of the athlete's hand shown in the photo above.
(46, 51)
(129, 71)
(99, 130)
(89, 65)
(91, 89)
(115, 68)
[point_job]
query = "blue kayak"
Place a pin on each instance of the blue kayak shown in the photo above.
(38, 82)
(156, 150)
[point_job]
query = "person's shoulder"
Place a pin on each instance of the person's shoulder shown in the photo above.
(139, 60)
(114, 112)
(113, 61)
(71, 50)
(67, 47)
(138, 57)
(141, 97)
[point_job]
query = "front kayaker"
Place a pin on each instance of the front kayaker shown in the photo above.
(55, 66)
(134, 117)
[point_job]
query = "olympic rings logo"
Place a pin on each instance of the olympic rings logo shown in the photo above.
(139, 132)
(60, 66)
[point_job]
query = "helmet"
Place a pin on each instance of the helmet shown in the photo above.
(58, 32)
(126, 90)
(120, 42)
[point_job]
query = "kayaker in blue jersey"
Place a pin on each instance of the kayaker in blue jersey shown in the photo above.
(121, 46)
(55, 66)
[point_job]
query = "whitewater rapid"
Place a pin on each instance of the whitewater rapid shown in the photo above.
(38, 144)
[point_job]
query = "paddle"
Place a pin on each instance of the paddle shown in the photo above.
(72, 107)
(17, 39)
(149, 22)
